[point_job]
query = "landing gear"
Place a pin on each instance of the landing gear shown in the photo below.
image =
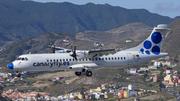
(78, 73)
(88, 73)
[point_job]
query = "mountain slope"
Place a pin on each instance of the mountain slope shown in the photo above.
(28, 18)
(172, 42)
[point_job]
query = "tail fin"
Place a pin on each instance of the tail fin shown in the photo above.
(153, 44)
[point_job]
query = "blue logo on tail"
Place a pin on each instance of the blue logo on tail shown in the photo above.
(156, 38)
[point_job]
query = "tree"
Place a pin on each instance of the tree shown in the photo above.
(37, 96)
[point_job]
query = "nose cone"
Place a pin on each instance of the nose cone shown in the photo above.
(11, 66)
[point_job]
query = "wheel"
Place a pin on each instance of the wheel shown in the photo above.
(78, 73)
(88, 73)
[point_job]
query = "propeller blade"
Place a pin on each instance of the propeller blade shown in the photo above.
(76, 58)
(74, 52)
(54, 48)
(71, 47)
(75, 48)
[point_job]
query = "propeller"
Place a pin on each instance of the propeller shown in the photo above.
(52, 47)
(74, 55)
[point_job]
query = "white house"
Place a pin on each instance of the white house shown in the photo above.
(157, 64)
(152, 67)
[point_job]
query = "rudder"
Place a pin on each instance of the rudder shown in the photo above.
(153, 44)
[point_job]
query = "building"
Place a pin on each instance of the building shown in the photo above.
(127, 41)
(98, 89)
(130, 87)
(144, 69)
(157, 64)
(133, 70)
(59, 78)
(155, 78)
(172, 80)
(127, 94)
(104, 86)
(167, 68)
(16, 94)
(66, 40)
(166, 63)
(49, 85)
(152, 67)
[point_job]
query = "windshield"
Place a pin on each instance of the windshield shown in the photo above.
(22, 58)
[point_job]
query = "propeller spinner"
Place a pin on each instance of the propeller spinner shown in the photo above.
(52, 47)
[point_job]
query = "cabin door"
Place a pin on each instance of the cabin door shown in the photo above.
(130, 58)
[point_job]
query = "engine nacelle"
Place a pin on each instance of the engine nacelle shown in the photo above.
(83, 55)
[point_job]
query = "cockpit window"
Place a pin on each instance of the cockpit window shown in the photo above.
(18, 59)
(23, 58)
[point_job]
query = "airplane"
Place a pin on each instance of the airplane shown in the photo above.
(84, 61)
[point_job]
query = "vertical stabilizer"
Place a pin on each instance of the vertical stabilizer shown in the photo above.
(153, 44)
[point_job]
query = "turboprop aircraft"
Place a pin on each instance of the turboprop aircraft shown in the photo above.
(87, 60)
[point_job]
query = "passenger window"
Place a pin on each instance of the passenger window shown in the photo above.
(47, 60)
(124, 57)
(121, 58)
(66, 59)
(106, 58)
(118, 58)
(99, 58)
(109, 58)
(57, 60)
(22, 59)
(112, 58)
(115, 58)
(60, 59)
(86, 59)
(89, 58)
(96, 58)
(69, 59)
(54, 60)
(50, 60)
(63, 59)
(73, 59)
(93, 59)
(102, 58)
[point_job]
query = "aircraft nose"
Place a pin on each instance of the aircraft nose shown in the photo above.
(11, 66)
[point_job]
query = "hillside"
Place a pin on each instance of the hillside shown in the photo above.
(24, 19)
(172, 41)
(114, 38)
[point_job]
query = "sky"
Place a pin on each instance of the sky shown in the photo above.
(169, 8)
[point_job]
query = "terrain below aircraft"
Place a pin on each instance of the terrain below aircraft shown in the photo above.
(87, 60)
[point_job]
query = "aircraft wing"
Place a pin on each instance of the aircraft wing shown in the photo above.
(57, 48)
(100, 53)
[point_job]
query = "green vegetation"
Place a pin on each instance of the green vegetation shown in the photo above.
(28, 18)
(33, 45)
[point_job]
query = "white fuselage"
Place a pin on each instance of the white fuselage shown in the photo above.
(59, 61)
